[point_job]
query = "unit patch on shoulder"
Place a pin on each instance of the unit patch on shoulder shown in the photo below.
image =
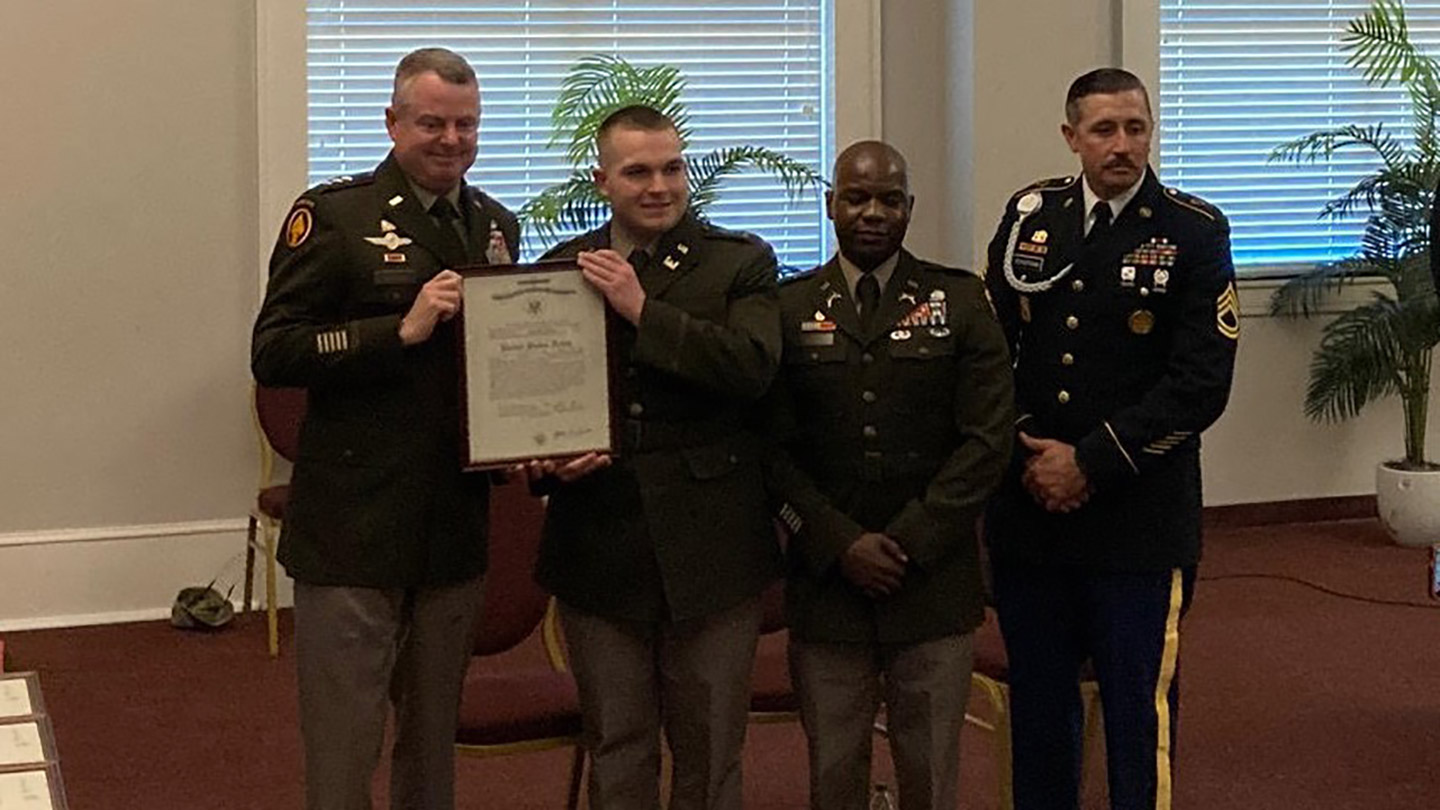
(1227, 313)
(298, 226)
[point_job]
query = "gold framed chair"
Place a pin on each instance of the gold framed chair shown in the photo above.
(277, 414)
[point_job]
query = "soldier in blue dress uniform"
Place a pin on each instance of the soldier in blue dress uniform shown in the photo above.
(1117, 297)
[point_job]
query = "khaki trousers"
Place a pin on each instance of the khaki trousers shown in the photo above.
(924, 686)
(361, 650)
(692, 678)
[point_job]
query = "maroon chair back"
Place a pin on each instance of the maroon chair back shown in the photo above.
(514, 602)
(280, 411)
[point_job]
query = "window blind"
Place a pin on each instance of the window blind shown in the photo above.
(1238, 79)
(758, 72)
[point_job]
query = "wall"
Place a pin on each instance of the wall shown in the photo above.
(127, 289)
(138, 214)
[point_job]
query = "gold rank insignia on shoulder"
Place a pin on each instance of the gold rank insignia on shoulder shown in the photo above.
(396, 200)
(1040, 237)
(298, 226)
(1227, 312)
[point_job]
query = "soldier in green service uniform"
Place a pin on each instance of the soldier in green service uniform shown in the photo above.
(659, 555)
(893, 411)
(384, 536)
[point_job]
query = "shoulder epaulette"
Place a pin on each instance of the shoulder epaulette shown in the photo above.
(792, 275)
(1192, 203)
(1048, 184)
(715, 231)
(944, 269)
(343, 182)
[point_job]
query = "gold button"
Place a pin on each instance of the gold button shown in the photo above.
(636, 409)
(869, 431)
(1063, 396)
(1072, 322)
(868, 396)
(1077, 285)
(867, 358)
(1067, 359)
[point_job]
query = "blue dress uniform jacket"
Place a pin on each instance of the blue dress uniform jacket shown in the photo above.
(677, 527)
(377, 495)
(1125, 348)
(904, 430)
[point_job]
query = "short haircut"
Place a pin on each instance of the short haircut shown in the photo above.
(635, 116)
(1101, 81)
(443, 62)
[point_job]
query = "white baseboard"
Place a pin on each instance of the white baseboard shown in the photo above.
(111, 574)
(140, 532)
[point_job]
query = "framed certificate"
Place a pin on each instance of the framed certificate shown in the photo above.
(20, 695)
(32, 789)
(536, 365)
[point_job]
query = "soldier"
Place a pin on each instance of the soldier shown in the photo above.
(894, 411)
(1118, 299)
(384, 536)
(658, 557)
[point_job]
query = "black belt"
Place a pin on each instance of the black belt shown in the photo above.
(642, 436)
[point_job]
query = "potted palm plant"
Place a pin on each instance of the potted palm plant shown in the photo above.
(595, 87)
(1383, 346)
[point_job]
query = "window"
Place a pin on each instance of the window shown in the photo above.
(1239, 78)
(759, 72)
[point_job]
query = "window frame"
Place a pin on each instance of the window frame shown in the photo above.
(281, 103)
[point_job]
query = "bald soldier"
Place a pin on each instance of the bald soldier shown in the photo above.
(893, 413)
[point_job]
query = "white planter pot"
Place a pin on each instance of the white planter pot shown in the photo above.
(1409, 504)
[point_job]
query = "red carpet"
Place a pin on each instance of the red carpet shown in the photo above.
(1293, 698)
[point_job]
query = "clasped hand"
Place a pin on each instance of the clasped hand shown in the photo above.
(1052, 476)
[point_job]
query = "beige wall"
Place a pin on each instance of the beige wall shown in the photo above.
(133, 245)
(128, 222)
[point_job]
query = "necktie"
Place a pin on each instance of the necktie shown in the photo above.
(450, 223)
(1102, 222)
(868, 292)
(638, 259)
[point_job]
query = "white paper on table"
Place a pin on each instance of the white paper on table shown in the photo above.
(25, 790)
(15, 698)
(20, 744)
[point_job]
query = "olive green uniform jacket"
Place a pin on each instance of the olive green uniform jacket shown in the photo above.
(378, 498)
(902, 429)
(677, 527)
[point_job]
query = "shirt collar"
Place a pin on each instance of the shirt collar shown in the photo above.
(624, 244)
(427, 198)
(1117, 203)
(882, 273)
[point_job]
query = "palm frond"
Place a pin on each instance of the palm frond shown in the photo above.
(1321, 145)
(1356, 362)
(709, 170)
(1304, 294)
(575, 204)
(1380, 46)
(598, 85)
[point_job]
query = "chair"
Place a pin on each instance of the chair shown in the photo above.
(277, 413)
(772, 695)
(990, 677)
(518, 709)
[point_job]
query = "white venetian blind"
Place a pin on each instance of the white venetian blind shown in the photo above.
(758, 73)
(1239, 78)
